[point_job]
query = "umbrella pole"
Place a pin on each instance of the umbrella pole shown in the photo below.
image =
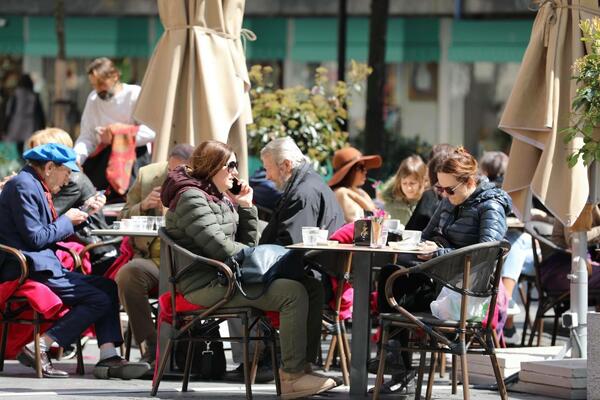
(579, 295)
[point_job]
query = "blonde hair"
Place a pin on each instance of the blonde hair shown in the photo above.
(410, 166)
(49, 135)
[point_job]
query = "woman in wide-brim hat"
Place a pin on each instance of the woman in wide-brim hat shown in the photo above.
(350, 174)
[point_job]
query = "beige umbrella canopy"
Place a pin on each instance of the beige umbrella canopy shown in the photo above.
(538, 109)
(196, 86)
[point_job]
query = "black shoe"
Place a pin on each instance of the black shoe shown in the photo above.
(401, 384)
(264, 374)
(117, 367)
(27, 358)
(393, 365)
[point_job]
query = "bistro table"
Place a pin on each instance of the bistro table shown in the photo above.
(123, 232)
(361, 321)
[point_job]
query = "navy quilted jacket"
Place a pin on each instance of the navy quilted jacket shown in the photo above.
(480, 218)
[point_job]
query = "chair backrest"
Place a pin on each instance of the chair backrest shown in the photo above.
(177, 260)
(542, 246)
(482, 261)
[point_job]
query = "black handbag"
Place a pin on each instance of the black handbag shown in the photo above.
(208, 357)
(263, 264)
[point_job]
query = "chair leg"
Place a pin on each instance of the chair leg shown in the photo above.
(431, 376)
(254, 365)
(187, 370)
(346, 343)
(5, 326)
(330, 353)
(527, 304)
(245, 346)
(161, 368)
(555, 327)
(454, 368)
(128, 335)
(442, 365)
(420, 376)
(381, 368)
(273, 343)
(537, 327)
(80, 368)
(36, 343)
(343, 358)
(499, 380)
(465, 375)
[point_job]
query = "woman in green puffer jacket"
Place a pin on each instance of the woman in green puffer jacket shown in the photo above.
(207, 219)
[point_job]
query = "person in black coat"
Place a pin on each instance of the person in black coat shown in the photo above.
(24, 113)
(306, 199)
(472, 210)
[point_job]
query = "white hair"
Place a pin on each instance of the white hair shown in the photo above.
(282, 149)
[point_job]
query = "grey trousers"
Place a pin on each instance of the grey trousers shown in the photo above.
(299, 304)
(135, 280)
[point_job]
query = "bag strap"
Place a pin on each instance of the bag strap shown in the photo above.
(237, 274)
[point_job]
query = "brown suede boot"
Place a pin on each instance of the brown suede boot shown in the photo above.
(301, 384)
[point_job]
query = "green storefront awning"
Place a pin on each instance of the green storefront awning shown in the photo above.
(270, 43)
(11, 35)
(90, 37)
(493, 41)
(408, 39)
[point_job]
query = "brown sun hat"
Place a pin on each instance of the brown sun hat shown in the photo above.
(344, 159)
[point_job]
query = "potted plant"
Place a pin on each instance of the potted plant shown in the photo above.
(314, 118)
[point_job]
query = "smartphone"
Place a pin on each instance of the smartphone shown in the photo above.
(237, 187)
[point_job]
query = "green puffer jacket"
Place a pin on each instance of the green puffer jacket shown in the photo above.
(212, 228)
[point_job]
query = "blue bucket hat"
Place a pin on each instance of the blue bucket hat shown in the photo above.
(55, 152)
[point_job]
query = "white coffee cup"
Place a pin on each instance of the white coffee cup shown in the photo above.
(412, 237)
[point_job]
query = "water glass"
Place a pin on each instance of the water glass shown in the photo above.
(310, 235)
(126, 224)
(150, 223)
(116, 225)
(379, 234)
(323, 236)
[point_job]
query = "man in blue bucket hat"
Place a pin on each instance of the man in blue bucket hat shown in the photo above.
(29, 222)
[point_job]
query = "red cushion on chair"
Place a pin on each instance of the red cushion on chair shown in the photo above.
(345, 234)
(41, 299)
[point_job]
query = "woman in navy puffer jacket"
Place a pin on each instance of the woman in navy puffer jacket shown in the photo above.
(472, 210)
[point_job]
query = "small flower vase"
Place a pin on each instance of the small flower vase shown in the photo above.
(376, 230)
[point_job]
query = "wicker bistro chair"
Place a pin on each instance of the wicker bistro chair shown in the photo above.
(178, 261)
(557, 301)
(15, 307)
(473, 271)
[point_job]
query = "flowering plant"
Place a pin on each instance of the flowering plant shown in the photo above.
(314, 118)
(379, 216)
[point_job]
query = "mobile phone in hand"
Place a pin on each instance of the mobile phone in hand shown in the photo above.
(237, 187)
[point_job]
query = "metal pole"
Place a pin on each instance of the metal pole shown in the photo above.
(579, 294)
(341, 50)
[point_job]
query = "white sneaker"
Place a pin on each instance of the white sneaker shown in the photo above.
(513, 308)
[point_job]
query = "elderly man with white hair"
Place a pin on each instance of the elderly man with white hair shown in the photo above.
(306, 199)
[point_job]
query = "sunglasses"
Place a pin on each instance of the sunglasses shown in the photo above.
(231, 166)
(449, 190)
(360, 167)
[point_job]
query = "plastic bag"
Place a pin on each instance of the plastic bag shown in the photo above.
(447, 306)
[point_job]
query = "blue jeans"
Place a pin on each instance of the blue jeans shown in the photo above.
(520, 257)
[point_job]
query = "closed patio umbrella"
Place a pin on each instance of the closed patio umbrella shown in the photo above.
(537, 110)
(196, 86)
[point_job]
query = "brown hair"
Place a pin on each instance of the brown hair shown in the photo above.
(439, 152)
(49, 135)
(102, 68)
(208, 159)
(410, 166)
(493, 164)
(459, 163)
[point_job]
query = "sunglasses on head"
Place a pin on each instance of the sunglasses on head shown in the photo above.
(449, 190)
(231, 166)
